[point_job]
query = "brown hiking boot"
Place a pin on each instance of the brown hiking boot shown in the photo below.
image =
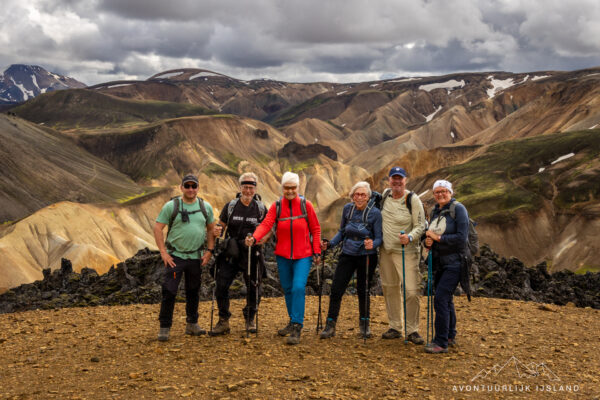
(285, 330)
(435, 349)
(222, 328)
(391, 334)
(294, 337)
(194, 329)
(415, 338)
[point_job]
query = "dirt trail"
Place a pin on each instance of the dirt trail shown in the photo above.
(112, 352)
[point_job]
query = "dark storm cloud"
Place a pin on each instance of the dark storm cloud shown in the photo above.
(300, 40)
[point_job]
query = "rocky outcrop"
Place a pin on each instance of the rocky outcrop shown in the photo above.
(495, 276)
(298, 152)
(138, 281)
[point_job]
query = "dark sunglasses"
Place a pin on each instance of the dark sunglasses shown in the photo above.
(190, 185)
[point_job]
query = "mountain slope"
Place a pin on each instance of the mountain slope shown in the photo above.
(40, 167)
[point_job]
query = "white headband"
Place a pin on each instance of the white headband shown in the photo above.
(444, 184)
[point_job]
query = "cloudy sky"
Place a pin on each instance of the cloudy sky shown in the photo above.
(298, 40)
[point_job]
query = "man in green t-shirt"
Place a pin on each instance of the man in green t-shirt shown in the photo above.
(189, 246)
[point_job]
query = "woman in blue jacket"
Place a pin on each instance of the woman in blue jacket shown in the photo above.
(447, 239)
(360, 234)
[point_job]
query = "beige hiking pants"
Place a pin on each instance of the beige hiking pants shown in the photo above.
(390, 270)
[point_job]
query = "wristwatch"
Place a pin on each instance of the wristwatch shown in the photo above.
(410, 238)
(211, 250)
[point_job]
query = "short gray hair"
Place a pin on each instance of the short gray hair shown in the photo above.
(361, 184)
(246, 175)
(291, 178)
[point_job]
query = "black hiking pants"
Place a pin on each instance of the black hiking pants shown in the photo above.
(226, 273)
(172, 276)
(347, 264)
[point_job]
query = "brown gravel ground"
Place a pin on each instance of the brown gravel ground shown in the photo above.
(112, 352)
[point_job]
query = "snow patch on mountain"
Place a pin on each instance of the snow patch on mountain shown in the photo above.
(168, 75)
(451, 84)
(202, 74)
(429, 117)
(498, 85)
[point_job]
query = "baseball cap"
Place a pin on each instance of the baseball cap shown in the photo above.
(397, 171)
(190, 178)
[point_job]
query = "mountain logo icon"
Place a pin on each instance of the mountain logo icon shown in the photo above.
(514, 367)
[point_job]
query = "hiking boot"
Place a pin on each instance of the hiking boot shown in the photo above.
(222, 328)
(329, 330)
(294, 337)
(194, 329)
(391, 334)
(251, 325)
(452, 342)
(285, 330)
(365, 330)
(163, 334)
(415, 338)
(435, 349)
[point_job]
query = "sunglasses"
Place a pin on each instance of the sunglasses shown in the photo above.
(190, 185)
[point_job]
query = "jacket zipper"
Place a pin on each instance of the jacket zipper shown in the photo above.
(291, 233)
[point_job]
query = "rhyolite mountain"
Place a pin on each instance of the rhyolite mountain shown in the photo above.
(19, 83)
(520, 148)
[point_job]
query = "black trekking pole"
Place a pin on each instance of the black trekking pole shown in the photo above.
(248, 288)
(257, 287)
(367, 297)
(214, 291)
(429, 302)
(404, 290)
(320, 287)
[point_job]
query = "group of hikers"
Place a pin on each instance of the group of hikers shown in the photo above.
(395, 225)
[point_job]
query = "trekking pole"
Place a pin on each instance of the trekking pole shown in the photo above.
(257, 288)
(429, 303)
(320, 287)
(248, 288)
(214, 291)
(404, 290)
(367, 297)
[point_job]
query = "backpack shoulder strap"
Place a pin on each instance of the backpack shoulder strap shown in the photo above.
(303, 209)
(367, 211)
(409, 197)
(262, 209)
(352, 208)
(384, 196)
(230, 208)
(452, 209)
(203, 209)
(278, 209)
(174, 213)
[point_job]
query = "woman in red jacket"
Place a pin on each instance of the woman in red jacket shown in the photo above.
(298, 235)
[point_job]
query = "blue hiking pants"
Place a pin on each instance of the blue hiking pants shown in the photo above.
(293, 275)
(445, 315)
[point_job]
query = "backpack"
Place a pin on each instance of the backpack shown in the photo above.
(302, 208)
(473, 237)
(387, 193)
(176, 211)
(262, 209)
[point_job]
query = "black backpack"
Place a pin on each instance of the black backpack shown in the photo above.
(262, 209)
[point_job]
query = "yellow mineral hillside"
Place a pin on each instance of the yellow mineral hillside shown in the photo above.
(89, 235)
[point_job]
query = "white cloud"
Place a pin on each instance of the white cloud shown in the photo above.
(99, 40)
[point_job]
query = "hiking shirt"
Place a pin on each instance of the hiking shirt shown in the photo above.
(353, 231)
(397, 218)
(293, 236)
(186, 236)
(454, 232)
(243, 219)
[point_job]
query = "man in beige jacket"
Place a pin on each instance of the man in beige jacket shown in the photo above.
(397, 218)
